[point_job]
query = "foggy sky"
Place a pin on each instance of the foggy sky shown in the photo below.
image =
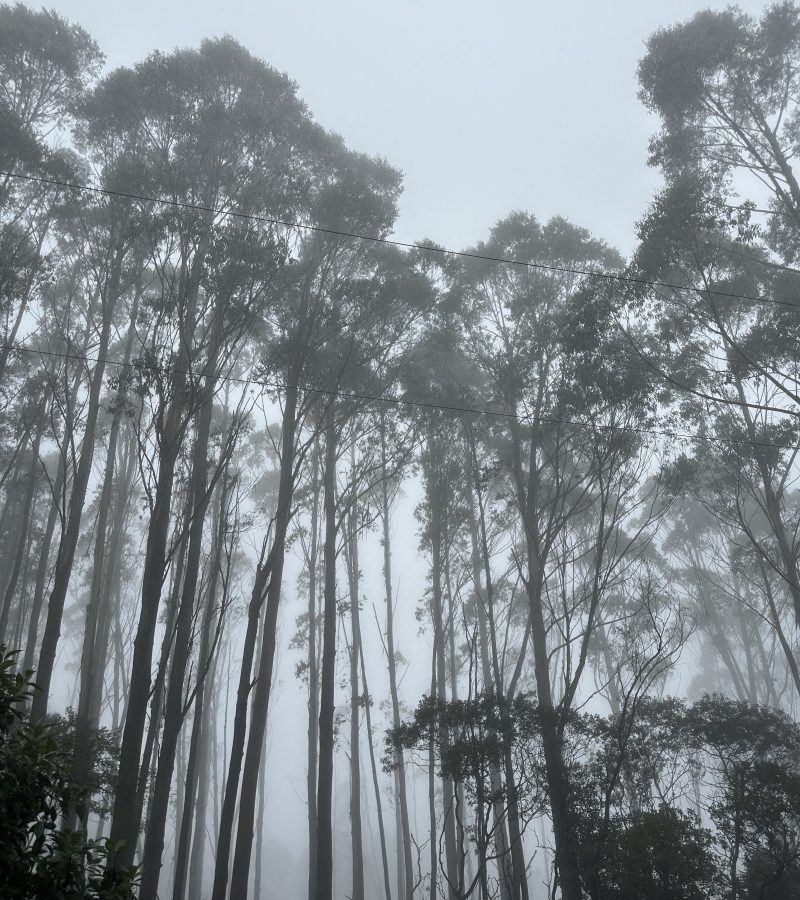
(486, 107)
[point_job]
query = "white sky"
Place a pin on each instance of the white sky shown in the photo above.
(486, 107)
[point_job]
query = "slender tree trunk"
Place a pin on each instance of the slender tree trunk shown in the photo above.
(313, 679)
(434, 837)
(398, 839)
(791, 660)
(206, 760)
(504, 863)
(24, 524)
(267, 586)
(566, 853)
(21, 612)
(59, 490)
(125, 825)
(512, 862)
(199, 735)
(375, 780)
(405, 873)
(173, 722)
(458, 788)
(113, 574)
(357, 844)
(328, 679)
(262, 802)
(93, 663)
(41, 573)
(80, 483)
(157, 697)
(436, 524)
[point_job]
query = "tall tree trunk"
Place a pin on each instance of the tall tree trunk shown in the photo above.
(328, 679)
(173, 722)
(59, 491)
(157, 697)
(566, 852)
(93, 663)
(513, 875)
(21, 611)
(437, 527)
(207, 768)
(69, 539)
(262, 802)
(41, 572)
(788, 651)
(125, 824)
(313, 678)
(375, 780)
(126, 473)
(433, 842)
(23, 526)
(199, 737)
(267, 585)
(405, 876)
(357, 844)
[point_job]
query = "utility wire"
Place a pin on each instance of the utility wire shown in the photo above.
(395, 401)
(546, 267)
(373, 398)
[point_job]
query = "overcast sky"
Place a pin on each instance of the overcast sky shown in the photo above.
(485, 107)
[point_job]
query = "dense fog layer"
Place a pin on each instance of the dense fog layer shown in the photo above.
(336, 565)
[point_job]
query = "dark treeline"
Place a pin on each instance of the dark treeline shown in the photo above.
(231, 432)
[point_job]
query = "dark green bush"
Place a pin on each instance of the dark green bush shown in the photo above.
(39, 858)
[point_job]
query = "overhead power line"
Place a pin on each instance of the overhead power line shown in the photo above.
(429, 248)
(394, 401)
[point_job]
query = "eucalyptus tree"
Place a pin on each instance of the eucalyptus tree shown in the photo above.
(46, 65)
(100, 239)
(215, 128)
(307, 638)
(718, 537)
(381, 294)
(314, 321)
(572, 454)
(711, 339)
(726, 89)
(236, 287)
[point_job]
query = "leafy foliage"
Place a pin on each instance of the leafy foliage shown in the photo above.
(39, 858)
(733, 765)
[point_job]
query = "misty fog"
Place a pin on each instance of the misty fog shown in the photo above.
(399, 434)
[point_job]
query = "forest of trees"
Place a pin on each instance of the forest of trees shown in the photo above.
(235, 416)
